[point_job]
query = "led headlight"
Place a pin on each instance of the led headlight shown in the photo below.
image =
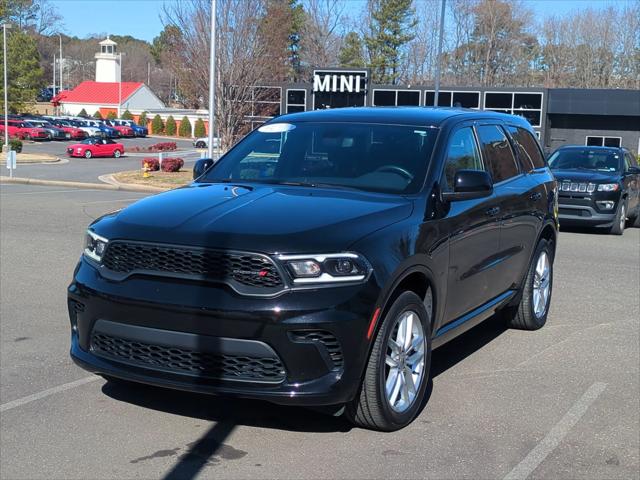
(326, 268)
(95, 246)
(608, 187)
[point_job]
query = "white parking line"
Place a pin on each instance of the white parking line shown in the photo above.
(552, 439)
(45, 393)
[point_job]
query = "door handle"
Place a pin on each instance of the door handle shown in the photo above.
(535, 196)
(492, 212)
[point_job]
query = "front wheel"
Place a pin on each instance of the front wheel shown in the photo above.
(531, 313)
(620, 221)
(201, 145)
(397, 373)
(87, 154)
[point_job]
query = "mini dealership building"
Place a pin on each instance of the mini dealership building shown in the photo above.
(560, 116)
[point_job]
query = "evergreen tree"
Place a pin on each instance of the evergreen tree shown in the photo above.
(112, 115)
(142, 119)
(351, 54)
(24, 73)
(170, 126)
(97, 114)
(199, 129)
(391, 28)
(83, 113)
(185, 127)
(157, 126)
(127, 115)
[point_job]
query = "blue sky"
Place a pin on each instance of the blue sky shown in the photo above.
(141, 18)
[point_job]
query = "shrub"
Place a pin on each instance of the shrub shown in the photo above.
(185, 127)
(83, 113)
(112, 115)
(172, 164)
(142, 119)
(200, 131)
(170, 126)
(127, 115)
(151, 163)
(97, 114)
(156, 147)
(157, 125)
(15, 145)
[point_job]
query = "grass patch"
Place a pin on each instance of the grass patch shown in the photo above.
(155, 179)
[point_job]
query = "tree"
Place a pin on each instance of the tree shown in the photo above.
(157, 126)
(24, 74)
(351, 54)
(97, 114)
(185, 127)
(320, 40)
(199, 129)
(34, 16)
(127, 115)
(83, 113)
(170, 126)
(390, 29)
(142, 119)
(112, 115)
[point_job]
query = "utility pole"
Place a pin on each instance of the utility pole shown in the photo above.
(120, 85)
(60, 60)
(6, 105)
(439, 59)
(212, 80)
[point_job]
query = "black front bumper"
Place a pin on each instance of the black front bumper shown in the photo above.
(301, 348)
(581, 209)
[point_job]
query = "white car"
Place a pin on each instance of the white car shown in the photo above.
(90, 127)
(203, 142)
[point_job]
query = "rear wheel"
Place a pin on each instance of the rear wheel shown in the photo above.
(200, 145)
(621, 219)
(397, 373)
(531, 313)
(87, 154)
(117, 154)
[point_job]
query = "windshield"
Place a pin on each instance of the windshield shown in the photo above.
(371, 157)
(89, 141)
(586, 159)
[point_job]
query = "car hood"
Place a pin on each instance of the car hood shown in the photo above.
(268, 219)
(594, 176)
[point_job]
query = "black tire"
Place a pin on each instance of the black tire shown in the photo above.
(621, 219)
(87, 154)
(371, 409)
(635, 222)
(523, 316)
(201, 145)
(117, 153)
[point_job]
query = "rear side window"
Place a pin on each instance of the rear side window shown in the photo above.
(497, 153)
(528, 151)
(462, 154)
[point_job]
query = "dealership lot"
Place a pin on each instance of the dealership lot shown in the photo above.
(561, 402)
(88, 170)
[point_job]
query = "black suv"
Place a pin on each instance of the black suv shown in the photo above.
(321, 259)
(599, 187)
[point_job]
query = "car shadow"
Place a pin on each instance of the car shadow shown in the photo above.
(584, 230)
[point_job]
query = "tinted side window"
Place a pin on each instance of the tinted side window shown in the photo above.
(629, 161)
(497, 153)
(528, 151)
(462, 154)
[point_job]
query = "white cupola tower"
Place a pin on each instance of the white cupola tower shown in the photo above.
(107, 62)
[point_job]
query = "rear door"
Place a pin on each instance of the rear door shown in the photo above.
(515, 199)
(474, 231)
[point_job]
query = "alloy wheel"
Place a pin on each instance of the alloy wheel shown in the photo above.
(405, 361)
(541, 284)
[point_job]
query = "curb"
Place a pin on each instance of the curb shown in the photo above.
(90, 186)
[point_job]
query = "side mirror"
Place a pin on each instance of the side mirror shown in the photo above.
(469, 184)
(633, 170)
(201, 166)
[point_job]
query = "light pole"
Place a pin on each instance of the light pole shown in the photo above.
(60, 60)
(6, 105)
(120, 84)
(439, 59)
(212, 79)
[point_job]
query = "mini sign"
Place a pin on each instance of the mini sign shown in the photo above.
(340, 81)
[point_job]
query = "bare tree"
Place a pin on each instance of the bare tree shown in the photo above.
(422, 50)
(321, 37)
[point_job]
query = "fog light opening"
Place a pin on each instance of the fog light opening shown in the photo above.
(606, 205)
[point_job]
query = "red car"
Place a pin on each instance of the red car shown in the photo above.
(74, 133)
(96, 147)
(24, 130)
(124, 129)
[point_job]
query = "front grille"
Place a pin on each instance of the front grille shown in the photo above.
(181, 360)
(327, 339)
(577, 187)
(244, 268)
(576, 212)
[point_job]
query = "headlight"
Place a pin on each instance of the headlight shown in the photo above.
(608, 187)
(79, 149)
(95, 246)
(326, 268)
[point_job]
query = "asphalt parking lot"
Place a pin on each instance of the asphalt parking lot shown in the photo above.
(89, 170)
(561, 402)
